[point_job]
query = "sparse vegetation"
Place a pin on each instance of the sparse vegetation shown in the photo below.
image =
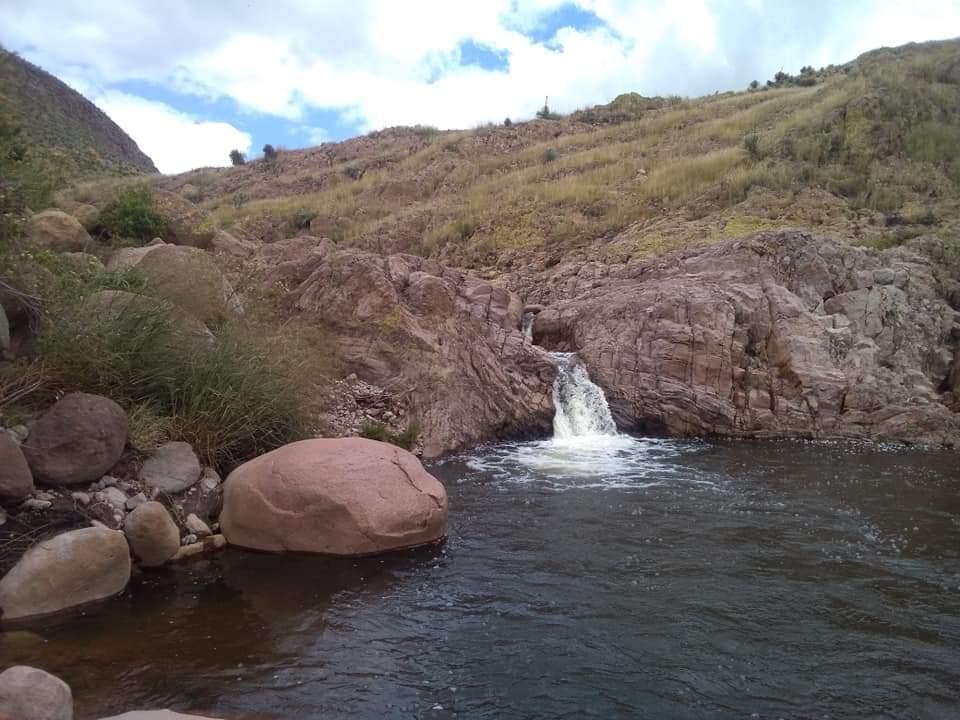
(378, 431)
(237, 158)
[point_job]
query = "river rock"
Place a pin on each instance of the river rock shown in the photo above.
(449, 342)
(77, 440)
(16, 480)
(58, 231)
(70, 569)
(27, 693)
(347, 496)
(782, 334)
(152, 534)
(172, 468)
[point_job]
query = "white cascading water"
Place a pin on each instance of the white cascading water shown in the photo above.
(581, 408)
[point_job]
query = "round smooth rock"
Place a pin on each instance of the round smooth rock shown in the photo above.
(172, 468)
(70, 569)
(28, 693)
(77, 440)
(343, 496)
(152, 534)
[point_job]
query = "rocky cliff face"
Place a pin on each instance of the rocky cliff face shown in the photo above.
(779, 334)
(445, 342)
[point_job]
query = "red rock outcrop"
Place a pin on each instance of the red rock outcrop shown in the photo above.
(444, 341)
(780, 334)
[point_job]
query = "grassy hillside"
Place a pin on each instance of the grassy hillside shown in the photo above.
(64, 127)
(869, 150)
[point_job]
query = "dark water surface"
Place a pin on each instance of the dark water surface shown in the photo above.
(635, 579)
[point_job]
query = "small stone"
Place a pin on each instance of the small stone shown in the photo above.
(136, 500)
(3, 517)
(34, 505)
(214, 542)
(172, 468)
(112, 496)
(108, 481)
(197, 527)
(45, 496)
(188, 539)
(81, 497)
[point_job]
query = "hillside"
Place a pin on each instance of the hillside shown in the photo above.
(63, 126)
(869, 151)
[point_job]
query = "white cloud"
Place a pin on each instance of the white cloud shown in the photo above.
(382, 62)
(175, 141)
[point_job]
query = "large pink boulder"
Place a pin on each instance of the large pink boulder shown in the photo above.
(345, 496)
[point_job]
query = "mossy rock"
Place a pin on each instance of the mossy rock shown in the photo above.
(57, 230)
(187, 224)
(190, 279)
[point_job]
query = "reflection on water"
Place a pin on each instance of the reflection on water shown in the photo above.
(591, 578)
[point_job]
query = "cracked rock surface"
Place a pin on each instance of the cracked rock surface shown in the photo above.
(783, 334)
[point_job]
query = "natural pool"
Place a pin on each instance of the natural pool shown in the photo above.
(603, 578)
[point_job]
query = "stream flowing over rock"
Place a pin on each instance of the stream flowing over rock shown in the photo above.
(780, 334)
(447, 342)
(345, 496)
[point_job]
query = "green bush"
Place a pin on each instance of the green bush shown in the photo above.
(751, 144)
(549, 155)
(132, 216)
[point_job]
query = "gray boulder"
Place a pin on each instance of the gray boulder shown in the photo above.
(152, 534)
(172, 468)
(27, 693)
(77, 440)
(16, 480)
(70, 569)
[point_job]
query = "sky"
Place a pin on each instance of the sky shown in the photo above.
(190, 80)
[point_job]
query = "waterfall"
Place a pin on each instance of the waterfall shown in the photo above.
(581, 408)
(526, 325)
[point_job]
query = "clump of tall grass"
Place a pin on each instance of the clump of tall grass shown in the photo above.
(230, 396)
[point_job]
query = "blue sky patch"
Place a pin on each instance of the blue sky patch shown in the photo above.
(564, 16)
(483, 56)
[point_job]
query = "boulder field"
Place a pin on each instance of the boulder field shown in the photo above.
(782, 334)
